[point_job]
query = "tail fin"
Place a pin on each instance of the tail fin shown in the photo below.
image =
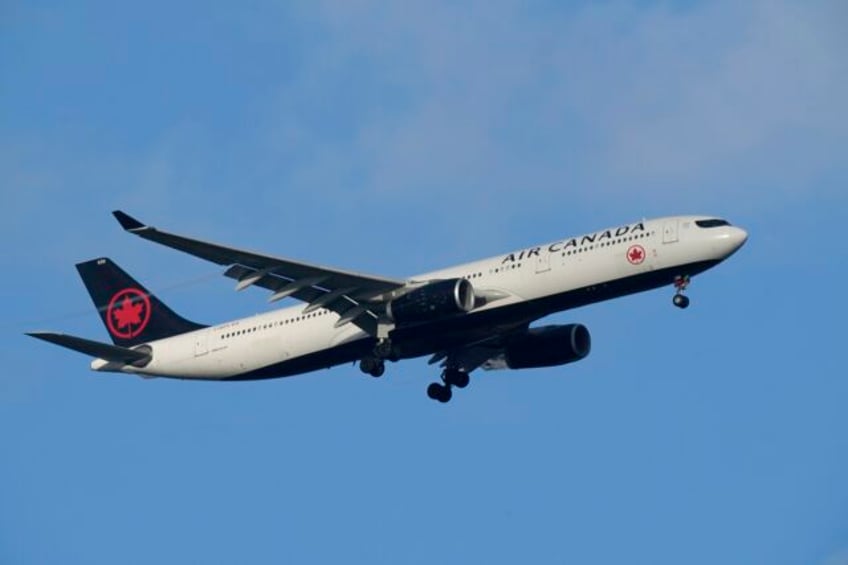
(130, 313)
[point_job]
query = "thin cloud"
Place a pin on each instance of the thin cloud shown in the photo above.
(837, 558)
(439, 108)
(782, 77)
(491, 98)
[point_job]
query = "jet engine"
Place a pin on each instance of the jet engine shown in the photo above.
(432, 301)
(548, 346)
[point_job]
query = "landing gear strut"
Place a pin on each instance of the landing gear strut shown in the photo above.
(680, 283)
(383, 349)
(375, 364)
(450, 378)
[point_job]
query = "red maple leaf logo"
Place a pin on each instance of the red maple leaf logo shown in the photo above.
(128, 314)
(636, 254)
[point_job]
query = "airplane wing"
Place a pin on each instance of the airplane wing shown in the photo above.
(468, 358)
(95, 348)
(486, 353)
(355, 297)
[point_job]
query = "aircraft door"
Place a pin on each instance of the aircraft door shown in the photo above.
(201, 343)
(670, 231)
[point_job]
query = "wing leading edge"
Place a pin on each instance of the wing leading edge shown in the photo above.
(355, 297)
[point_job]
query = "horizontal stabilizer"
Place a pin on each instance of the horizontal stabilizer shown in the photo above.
(97, 349)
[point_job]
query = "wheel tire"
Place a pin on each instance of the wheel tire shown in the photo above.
(378, 370)
(457, 378)
(367, 365)
(681, 301)
(439, 392)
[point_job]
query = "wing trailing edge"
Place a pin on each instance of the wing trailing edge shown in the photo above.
(356, 297)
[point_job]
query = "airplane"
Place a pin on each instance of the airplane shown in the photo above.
(473, 316)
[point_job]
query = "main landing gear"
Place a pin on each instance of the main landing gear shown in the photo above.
(375, 364)
(680, 283)
(442, 392)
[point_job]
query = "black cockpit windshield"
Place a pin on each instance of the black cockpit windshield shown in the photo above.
(712, 223)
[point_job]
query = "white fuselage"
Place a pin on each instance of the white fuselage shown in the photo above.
(579, 265)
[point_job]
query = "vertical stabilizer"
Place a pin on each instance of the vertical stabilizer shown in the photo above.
(130, 313)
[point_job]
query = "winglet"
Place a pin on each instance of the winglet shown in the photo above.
(127, 222)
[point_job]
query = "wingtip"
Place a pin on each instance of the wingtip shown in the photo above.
(41, 335)
(127, 222)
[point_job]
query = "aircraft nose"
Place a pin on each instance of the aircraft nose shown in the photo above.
(732, 240)
(738, 236)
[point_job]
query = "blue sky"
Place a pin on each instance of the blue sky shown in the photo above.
(395, 138)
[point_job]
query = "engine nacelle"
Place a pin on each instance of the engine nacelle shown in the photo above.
(548, 346)
(433, 301)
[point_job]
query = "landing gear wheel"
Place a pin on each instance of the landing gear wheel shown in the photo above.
(372, 366)
(681, 301)
(455, 377)
(439, 392)
(367, 365)
(379, 369)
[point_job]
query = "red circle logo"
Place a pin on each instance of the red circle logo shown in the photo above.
(636, 254)
(128, 313)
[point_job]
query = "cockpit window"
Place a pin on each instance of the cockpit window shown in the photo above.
(714, 223)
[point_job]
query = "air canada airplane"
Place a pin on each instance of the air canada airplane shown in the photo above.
(477, 315)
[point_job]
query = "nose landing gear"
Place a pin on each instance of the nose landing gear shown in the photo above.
(680, 300)
(680, 284)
